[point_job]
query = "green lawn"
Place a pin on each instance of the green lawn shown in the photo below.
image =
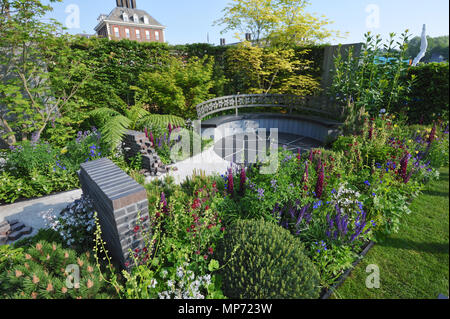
(413, 263)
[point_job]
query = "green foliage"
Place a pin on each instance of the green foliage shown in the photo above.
(274, 21)
(41, 273)
(36, 169)
(39, 74)
(429, 97)
(367, 82)
(264, 261)
(436, 45)
(270, 70)
(177, 87)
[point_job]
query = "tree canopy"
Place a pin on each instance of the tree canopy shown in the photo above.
(275, 21)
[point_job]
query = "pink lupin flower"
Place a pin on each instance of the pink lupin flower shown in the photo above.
(230, 182)
(243, 179)
(319, 185)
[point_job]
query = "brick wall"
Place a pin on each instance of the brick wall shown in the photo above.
(119, 201)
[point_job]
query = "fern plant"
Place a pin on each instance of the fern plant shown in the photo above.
(114, 123)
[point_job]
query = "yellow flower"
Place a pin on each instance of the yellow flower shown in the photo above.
(418, 131)
(417, 152)
(393, 116)
(64, 150)
(395, 126)
(409, 141)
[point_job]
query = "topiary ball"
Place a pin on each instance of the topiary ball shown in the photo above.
(264, 261)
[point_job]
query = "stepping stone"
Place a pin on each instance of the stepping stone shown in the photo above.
(3, 223)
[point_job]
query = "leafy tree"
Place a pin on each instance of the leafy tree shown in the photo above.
(277, 21)
(177, 87)
(437, 45)
(270, 70)
(36, 68)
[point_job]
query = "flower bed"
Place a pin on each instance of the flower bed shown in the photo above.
(326, 205)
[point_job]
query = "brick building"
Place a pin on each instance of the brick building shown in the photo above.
(127, 22)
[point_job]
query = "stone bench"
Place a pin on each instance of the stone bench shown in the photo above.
(119, 201)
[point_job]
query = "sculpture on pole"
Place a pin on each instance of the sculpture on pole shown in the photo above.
(423, 47)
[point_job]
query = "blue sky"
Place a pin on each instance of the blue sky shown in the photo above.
(191, 21)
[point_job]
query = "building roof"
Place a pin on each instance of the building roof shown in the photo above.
(116, 15)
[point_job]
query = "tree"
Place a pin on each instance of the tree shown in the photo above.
(37, 71)
(437, 45)
(270, 70)
(178, 86)
(275, 21)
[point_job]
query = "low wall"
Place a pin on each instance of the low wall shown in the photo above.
(119, 200)
(312, 127)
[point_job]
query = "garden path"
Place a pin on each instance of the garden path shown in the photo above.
(33, 212)
(208, 162)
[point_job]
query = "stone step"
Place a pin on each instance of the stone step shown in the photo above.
(17, 227)
(17, 234)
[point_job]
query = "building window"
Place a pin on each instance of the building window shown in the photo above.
(136, 18)
(146, 20)
(127, 32)
(157, 35)
(125, 17)
(147, 34)
(138, 34)
(116, 32)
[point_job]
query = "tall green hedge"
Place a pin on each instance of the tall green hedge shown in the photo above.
(428, 98)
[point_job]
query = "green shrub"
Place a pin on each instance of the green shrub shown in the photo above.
(41, 273)
(266, 262)
(429, 96)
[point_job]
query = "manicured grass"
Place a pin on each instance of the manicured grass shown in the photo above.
(414, 263)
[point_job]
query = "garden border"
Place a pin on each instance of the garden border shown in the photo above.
(347, 273)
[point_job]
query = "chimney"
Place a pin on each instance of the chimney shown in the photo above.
(133, 4)
(119, 3)
(222, 41)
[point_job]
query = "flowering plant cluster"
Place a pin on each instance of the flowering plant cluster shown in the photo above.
(344, 197)
(75, 224)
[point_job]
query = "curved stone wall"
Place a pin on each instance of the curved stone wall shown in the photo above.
(312, 127)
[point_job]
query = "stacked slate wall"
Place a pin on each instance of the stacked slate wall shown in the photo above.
(135, 143)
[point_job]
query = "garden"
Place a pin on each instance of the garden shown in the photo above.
(67, 100)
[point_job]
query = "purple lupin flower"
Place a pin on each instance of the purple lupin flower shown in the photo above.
(311, 155)
(371, 130)
(170, 128)
(146, 132)
(404, 167)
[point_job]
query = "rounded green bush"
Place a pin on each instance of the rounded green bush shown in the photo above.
(264, 261)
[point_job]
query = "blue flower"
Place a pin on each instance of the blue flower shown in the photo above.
(367, 183)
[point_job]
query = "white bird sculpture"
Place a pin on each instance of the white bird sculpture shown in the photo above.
(423, 47)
